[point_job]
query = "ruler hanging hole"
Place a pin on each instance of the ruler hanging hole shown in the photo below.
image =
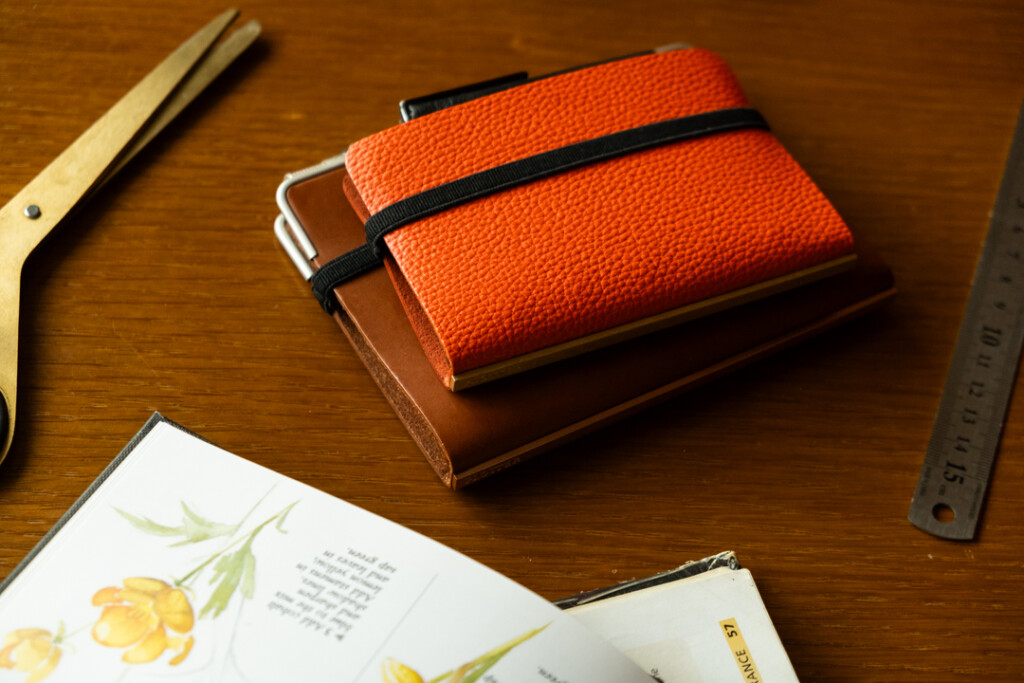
(943, 513)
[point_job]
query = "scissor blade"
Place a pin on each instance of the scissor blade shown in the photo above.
(219, 58)
(69, 177)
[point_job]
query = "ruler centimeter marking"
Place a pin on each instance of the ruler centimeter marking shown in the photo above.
(954, 478)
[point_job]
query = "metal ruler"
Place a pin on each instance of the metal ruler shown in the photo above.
(951, 490)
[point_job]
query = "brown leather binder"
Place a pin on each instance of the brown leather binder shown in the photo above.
(471, 434)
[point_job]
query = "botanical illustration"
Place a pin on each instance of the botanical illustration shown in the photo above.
(147, 616)
(34, 651)
(138, 615)
(396, 672)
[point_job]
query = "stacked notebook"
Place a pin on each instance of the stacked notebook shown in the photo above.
(563, 251)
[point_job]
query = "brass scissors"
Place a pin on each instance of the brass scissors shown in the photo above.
(89, 162)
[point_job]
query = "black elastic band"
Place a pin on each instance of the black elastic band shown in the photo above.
(514, 174)
(341, 269)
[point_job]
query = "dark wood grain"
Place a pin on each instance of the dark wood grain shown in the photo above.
(168, 292)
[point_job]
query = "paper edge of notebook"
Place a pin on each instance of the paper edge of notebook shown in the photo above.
(552, 354)
(470, 475)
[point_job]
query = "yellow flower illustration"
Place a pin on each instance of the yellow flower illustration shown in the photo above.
(396, 672)
(30, 650)
(139, 615)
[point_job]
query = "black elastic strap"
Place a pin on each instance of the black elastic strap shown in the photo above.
(341, 269)
(514, 174)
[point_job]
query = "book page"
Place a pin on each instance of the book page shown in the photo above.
(708, 628)
(190, 563)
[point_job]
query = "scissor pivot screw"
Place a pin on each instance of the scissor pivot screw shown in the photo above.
(32, 211)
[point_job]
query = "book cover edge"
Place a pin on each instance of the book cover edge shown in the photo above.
(689, 569)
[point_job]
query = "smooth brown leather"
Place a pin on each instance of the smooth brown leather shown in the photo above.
(475, 433)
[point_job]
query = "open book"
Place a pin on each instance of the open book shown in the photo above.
(183, 561)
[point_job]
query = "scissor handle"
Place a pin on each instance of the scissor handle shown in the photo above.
(22, 226)
(10, 291)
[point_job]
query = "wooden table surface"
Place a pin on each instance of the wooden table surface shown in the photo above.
(168, 293)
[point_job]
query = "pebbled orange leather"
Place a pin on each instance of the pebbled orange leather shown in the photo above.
(599, 246)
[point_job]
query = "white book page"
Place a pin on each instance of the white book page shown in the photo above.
(189, 563)
(708, 628)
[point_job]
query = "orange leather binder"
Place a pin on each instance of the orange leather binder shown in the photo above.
(565, 213)
(469, 435)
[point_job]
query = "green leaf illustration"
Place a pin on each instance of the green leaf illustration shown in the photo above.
(199, 529)
(482, 668)
(470, 672)
(283, 516)
(249, 576)
(148, 525)
(193, 527)
(231, 570)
